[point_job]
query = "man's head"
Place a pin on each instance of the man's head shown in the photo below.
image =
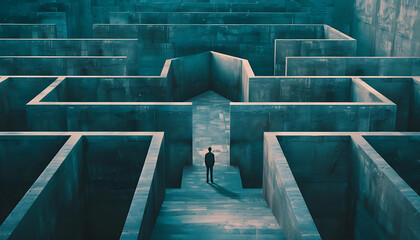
(209, 149)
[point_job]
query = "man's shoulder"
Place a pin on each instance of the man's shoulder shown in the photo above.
(209, 154)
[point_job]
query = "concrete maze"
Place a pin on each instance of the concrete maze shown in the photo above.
(107, 109)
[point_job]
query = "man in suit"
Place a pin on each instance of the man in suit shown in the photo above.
(209, 160)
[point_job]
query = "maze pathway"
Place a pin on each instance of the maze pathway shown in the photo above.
(223, 210)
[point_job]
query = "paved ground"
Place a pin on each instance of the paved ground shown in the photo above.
(223, 210)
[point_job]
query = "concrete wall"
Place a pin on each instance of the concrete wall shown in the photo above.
(346, 185)
(282, 194)
(253, 42)
(14, 30)
(292, 89)
(14, 94)
(216, 18)
(352, 66)
(398, 216)
(333, 43)
(387, 28)
(404, 92)
(63, 65)
(110, 89)
(250, 120)
(175, 119)
(210, 7)
(22, 159)
(57, 18)
(78, 13)
(192, 75)
(188, 76)
(227, 76)
(97, 180)
(73, 47)
(321, 167)
(149, 194)
(401, 152)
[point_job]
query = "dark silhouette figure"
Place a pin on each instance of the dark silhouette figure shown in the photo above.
(209, 160)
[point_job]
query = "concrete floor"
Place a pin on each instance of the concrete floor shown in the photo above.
(223, 210)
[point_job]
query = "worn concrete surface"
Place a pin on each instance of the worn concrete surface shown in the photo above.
(364, 110)
(333, 43)
(158, 42)
(343, 182)
(353, 66)
(63, 65)
(27, 30)
(74, 47)
(88, 187)
(405, 93)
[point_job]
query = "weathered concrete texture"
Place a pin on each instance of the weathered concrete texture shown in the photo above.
(175, 119)
(405, 92)
(57, 18)
(78, 13)
(73, 47)
(352, 66)
(210, 7)
(22, 159)
(192, 75)
(110, 89)
(216, 18)
(387, 28)
(399, 216)
(14, 94)
(402, 153)
(63, 65)
(89, 186)
(333, 43)
(14, 30)
(253, 42)
(282, 194)
(344, 184)
(293, 89)
(364, 110)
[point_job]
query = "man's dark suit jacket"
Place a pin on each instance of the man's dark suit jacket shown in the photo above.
(209, 159)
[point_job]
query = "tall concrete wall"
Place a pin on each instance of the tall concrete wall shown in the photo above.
(91, 187)
(405, 93)
(321, 168)
(188, 76)
(293, 89)
(63, 65)
(14, 30)
(387, 28)
(110, 89)
(216, 18)
(250, 120)
(78, 13)
(333, 43)
(282, 194)
(149, 194)
(14, 94)
(57, 18)
(401, 152)
(375, 180)
(192, 75)
(253, 42)
(352, 66)
(22, 159)
(73, 47)
(174, 119)
(344, 183)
